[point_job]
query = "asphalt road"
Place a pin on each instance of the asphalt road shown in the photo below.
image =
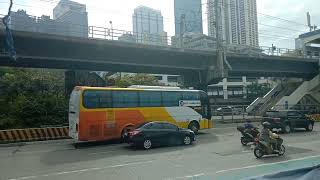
(217, 154)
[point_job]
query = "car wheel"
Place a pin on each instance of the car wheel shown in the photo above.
(147, 144)
(187, 140)
(258, 152)
(309, 127)
(286, 128)
(193, 126)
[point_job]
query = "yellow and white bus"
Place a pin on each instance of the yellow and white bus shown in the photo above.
(98, 114)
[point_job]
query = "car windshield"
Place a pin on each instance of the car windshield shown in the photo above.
(142, 125)
(159, 89)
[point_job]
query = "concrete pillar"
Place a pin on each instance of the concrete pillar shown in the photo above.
(203, 87)
(69, 81)
(244, 85)
(225, 88)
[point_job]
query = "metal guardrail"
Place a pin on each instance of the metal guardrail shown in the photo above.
(239, 114)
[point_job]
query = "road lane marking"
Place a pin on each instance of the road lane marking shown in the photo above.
(259, 165)
(42, 151)
(189, 176)
(102, 152)
(80, 170)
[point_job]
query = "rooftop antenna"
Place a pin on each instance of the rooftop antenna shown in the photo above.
(312, 28)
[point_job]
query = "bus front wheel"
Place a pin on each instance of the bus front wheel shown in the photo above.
(194, 126)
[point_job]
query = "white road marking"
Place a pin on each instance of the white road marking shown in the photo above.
(246, 151)
(80, 170)
(102, 152)
(41, 151)
(189, 176)
(259, 165)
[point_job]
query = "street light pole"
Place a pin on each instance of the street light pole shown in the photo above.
(110, 22)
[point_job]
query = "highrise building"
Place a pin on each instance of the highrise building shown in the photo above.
(148, 26)
(21, 21)
(239, 24)
(192, 12)
(74, 16)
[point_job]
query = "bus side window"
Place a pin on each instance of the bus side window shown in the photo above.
(125, 98)
(170, 98)
(90, 99)
(150, 98)
(190, 96)
(105, 99)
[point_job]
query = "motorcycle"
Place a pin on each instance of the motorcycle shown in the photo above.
(264, 148)
(248, 135)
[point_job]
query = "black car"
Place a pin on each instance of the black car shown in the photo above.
(153, 134)
(287, 120)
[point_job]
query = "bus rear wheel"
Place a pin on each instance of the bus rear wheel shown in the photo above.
(194, 126)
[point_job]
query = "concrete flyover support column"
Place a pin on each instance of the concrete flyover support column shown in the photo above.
(196, 80)
(69, 81)
(225, 88)
(244, 85)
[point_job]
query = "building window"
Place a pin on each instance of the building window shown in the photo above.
(316, 53)
(159, 78)
(308, 53)
(172, 78)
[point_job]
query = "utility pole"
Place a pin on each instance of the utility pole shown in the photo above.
(111, 26)
(220, 53)
(182, 29)
(218, 23)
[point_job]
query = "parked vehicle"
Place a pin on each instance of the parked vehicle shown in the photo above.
(263, 148)
(154, 134)
(228, 110)
(248, 135)
(288, 120)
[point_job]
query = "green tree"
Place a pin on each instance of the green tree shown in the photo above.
(31, 98)
(136, 79)
(256, 90)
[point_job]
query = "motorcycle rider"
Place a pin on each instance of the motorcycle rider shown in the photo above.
(248, 125)
(271, 138)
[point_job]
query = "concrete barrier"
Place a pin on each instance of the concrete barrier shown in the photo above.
(33, 134)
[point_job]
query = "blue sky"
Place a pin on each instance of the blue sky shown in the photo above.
(120, 12)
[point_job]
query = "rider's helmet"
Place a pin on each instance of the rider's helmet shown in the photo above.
(266, 125)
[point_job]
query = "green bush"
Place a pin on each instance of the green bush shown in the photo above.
(31, 98)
